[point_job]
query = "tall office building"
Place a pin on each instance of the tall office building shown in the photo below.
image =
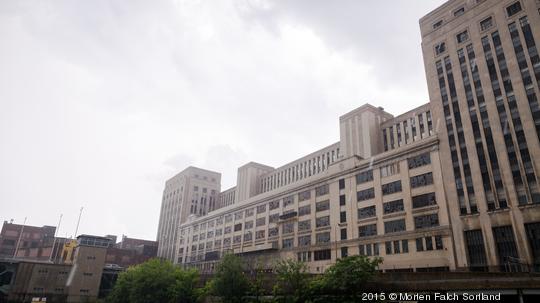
(483, 72)
(193, 191)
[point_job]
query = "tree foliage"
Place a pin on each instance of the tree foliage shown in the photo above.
(155, 281)
(347, 277)
(292, 280)
(229, 281)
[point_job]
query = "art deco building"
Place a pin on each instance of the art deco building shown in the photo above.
(193, 191)
(483, 71)
(450, 185)
(378, 191)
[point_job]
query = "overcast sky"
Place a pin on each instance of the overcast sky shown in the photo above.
(102, 101)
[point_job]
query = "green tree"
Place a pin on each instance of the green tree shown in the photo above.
(229, 282)
(347, 277)
(155, 281)
(292, 280)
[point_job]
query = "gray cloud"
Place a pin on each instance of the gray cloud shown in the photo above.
(103, 101)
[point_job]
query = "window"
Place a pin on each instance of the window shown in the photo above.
(364, 177)
(424, 200)
(237, 239)
(260, 221)
(394, 226)
(288, 201)
(486, 23)
(390, 169)
(366, 212)
(420, 160)
(305, 195)
(273, 232)
(388, 247)
(342, 217)
(342, 200)
(460, 11)
(429, 243)
(273, 218)
(227, 230)
(462, 37)
(238, 227)
(440, 48)
(475, 249)
(273, 205)
(248, 236)
(505, 243)
(321, 190)
(324, 254)
(261, 209)
(304, 240)
(259, 234)
(288, 243)
(365, 194)
(288, 228)
(419, 244)
(513, 9)
(438, 243)
(392, 187)
(304, 210)
(405, 246)
(344, 252)
(422, 180)
(322, 221)
(228, 218)
(322, 238)
(304, 256)
(533, 235)
(367, 230)
(322, 206)
(341, 183)
(437, 24)
(343, 234)
(393, 206)
(304, 225)
(396, 247)
(426, 221)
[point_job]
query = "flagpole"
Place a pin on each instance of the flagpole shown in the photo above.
(19, 241)
(54, 242)
(78, 221)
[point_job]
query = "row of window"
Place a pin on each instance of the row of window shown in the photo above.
(399, 134)
(398, 225)
(395, 187)
(511, 10)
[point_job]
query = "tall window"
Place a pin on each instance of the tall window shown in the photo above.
(506, 245)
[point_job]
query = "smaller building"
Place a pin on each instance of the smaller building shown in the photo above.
(28, 280)
(34, 243)
(131, 251)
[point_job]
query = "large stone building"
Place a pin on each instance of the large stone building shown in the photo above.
(193, 191)
(358, 196)
(483, 71)
(450, 185)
